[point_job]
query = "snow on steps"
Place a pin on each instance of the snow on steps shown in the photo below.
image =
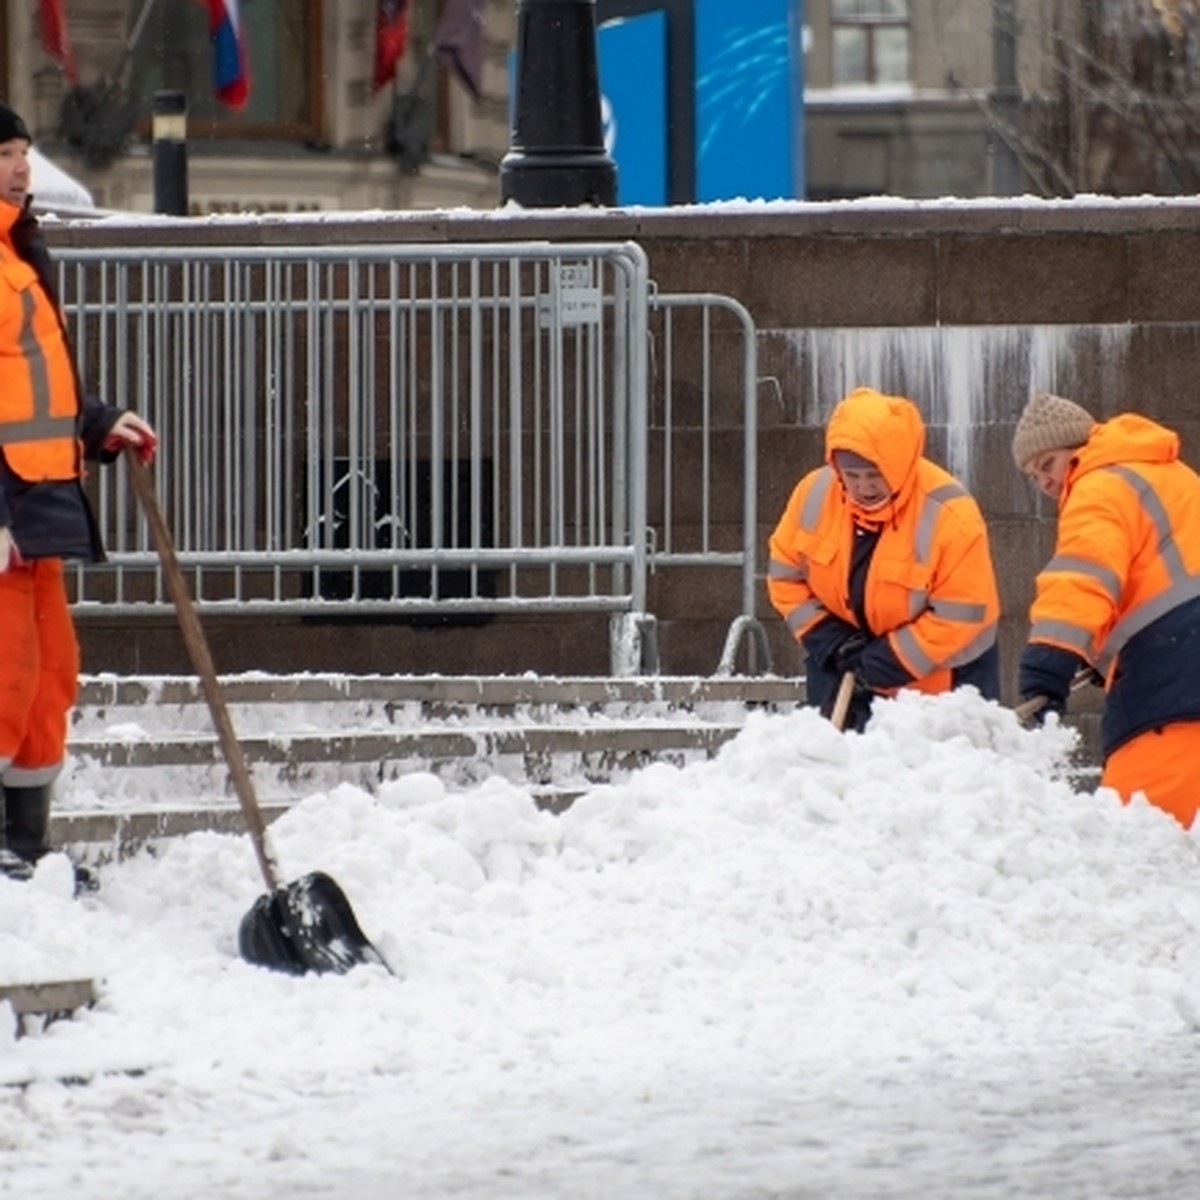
(144, 761)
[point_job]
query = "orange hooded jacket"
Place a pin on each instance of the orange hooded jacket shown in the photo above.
(930, 586)
(1128, 547)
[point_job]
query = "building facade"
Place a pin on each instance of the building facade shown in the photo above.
(927, 98)
(911, 98)
(314, 135)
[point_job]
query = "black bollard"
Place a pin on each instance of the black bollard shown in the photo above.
(557, 157)
(169, 129)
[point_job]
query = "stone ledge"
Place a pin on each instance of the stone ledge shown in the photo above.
(480, 690)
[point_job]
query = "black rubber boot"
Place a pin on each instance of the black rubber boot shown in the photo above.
(27, 828)
(27, 821)
(12, 866)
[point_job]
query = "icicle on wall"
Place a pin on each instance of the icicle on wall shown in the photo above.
(963, 377)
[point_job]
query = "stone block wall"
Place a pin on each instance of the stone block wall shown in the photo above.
(964, 306)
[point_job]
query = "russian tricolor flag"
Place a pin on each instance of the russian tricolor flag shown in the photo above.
(231, 79)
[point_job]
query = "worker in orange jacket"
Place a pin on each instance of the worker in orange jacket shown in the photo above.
(880, 564)
(1121, 596)
(46, 429)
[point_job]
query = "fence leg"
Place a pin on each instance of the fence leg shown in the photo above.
(759, 656)
(633, 644)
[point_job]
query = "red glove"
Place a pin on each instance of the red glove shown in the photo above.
(131, 430)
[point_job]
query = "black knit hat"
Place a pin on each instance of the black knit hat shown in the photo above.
(11, 126)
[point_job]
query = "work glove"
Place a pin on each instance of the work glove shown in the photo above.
(130, 430)
(848, 651)
(1045, 673)
(10, 556)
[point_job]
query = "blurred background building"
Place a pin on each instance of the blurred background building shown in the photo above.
(404, 104)
(348, 104)
(928, 98)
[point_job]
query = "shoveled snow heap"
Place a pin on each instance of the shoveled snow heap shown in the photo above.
(691, 983)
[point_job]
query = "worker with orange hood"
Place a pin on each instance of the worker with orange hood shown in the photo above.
(1121, 596)
(880, 564)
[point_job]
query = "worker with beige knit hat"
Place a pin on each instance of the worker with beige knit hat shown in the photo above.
(1121, 595)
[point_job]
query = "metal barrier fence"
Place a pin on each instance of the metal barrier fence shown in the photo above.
(703, 482)
(405, 429)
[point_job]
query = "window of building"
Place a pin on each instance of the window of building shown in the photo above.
(173, 51)
(870, 41)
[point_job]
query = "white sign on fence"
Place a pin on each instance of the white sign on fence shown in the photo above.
(578, 297)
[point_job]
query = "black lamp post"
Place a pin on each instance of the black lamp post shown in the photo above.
(169, 129)
(557, 156)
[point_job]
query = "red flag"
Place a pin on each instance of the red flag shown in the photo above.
(391, 33)
(458, 40)
(231, 78)
(53, 24)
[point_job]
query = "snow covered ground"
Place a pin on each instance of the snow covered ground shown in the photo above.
(911, 963)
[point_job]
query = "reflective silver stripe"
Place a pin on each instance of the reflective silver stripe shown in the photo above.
(1183, 587)
(810, 513)
(30, 776)
(984, 640)
(918, 599)
(777, 569)
(803, 614)
(36, 431)
(944, 493)
(927, 521)
(1105, 576)
(1154, 509)
(959, 610)
(1143, 615)
(923, 537)
(922, 664)
(1065, 632)
(41, 425)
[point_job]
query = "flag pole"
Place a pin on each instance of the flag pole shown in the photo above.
(134, 36)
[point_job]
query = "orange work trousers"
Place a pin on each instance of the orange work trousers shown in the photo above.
(39, 672)
(1165, 764)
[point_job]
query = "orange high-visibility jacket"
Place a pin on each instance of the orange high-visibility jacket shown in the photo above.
(1128, 546)
(39, 394)
(930, 587)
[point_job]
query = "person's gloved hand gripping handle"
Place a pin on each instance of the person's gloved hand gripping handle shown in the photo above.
(131, 430)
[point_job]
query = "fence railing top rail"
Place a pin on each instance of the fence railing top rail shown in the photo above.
(629, 252)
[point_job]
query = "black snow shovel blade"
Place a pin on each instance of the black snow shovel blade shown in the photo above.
(307, 925)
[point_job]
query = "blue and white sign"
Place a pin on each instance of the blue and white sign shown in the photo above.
(632, 57)
(748, 98)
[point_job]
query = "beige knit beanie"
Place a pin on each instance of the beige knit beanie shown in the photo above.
(1050, 423)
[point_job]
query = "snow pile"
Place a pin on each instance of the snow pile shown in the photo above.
(690, 984)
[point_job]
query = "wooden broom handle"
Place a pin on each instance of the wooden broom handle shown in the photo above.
(201, 656)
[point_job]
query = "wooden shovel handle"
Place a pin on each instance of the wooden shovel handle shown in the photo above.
(198, 651)
(1030, 708)
(841, 703)
(1084, 677)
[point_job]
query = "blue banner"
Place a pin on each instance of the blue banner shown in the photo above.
(748, 97)
(632, 56)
